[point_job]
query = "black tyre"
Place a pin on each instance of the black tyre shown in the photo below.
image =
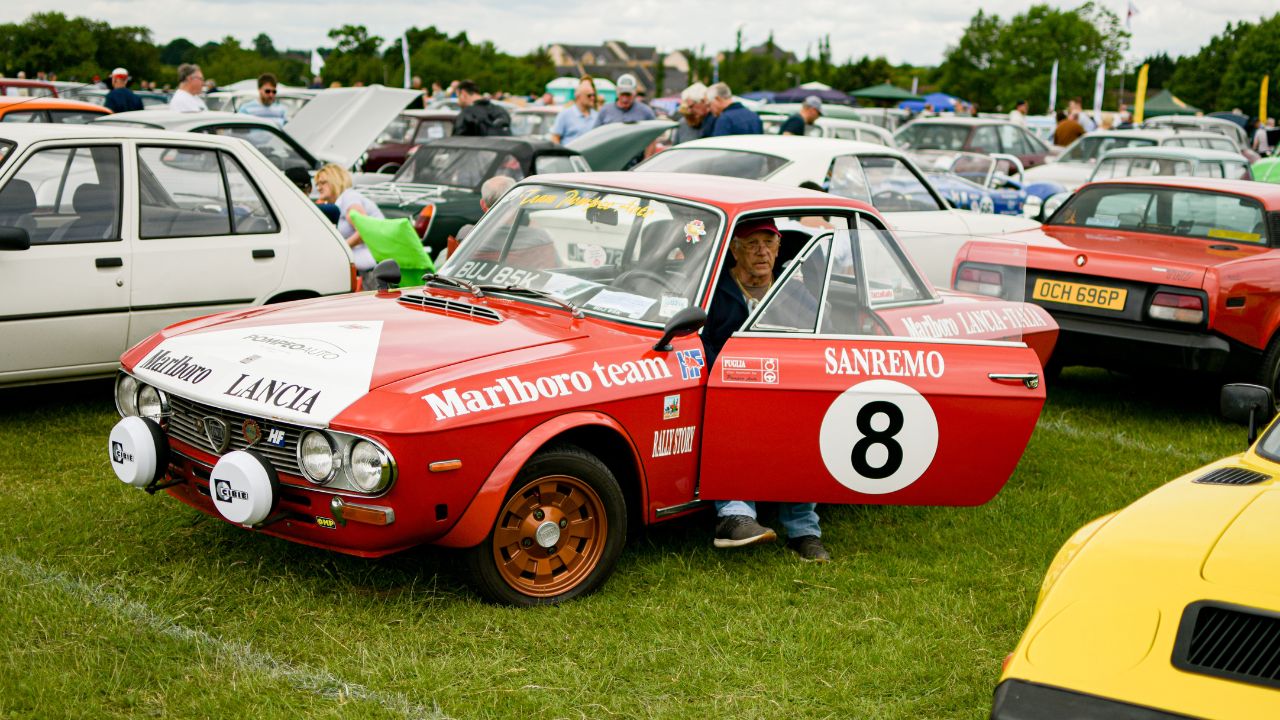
(1268, 374)
(558, 533)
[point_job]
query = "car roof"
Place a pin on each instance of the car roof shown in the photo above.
(959, 120)
(174, 120)
(723, 192)
(41, 103)
(32, 132)
(1172, 152)
(1266, 193)
(790, 146)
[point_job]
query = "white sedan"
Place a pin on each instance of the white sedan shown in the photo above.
(111, 233)
(885, 177)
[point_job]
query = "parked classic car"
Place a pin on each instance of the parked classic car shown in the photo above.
(48, 110)
(1167, 609)
(1171, 160)
(978, 135)
(291, 98)
(834, 128)
(14, 87)
(137, 229)
(1149, 272)
(439, 186)
(408, 130)
(1219, 126)
(98, 96)
(534, 121)
(619, 146)
(549, 389)
(982, 183)
(886, 178)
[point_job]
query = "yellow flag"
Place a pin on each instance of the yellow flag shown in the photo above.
(1140, 96)
(1262, 101)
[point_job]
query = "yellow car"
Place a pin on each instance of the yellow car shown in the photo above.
(1169, 608)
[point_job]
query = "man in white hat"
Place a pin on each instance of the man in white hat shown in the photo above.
(625, 108)
(121, 98)
(693, 110)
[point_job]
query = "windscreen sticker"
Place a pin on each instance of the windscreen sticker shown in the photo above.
(1224, 234)
(620, 303)
(593, 255)
(306, 373)
(567, 286)
(694, 230)
(1110, 221)
(574, 198)
(671, 304)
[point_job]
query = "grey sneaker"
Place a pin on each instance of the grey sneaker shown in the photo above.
(740, 530)
(810, 549)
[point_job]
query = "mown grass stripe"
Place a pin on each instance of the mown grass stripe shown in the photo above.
(241, 654)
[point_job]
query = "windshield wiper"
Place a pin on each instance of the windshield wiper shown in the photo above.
(456, 282)
(521, 290)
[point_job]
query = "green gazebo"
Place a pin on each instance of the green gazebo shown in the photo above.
(885, 92)
(1165, 103)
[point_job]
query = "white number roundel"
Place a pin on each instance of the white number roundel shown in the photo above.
(878, 437)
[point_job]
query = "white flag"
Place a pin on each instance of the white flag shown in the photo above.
(1098, 83)
(317, 62)
(1128, 18)
(404, 50)
(915, 84)
(1053, 87)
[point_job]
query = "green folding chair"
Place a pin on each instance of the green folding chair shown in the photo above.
(395, 240)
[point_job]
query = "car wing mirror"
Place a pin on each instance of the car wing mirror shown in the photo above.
(14, 238)
(385, 275)
(686, 322)
(1247, 404)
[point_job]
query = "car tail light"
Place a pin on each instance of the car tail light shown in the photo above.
(1177, 308)
(423, 222)
(981, 282)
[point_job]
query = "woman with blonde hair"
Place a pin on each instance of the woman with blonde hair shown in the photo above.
(333, 185)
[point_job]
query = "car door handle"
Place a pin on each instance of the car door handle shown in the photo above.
(263, 254)
(109, 262)
(1031, 380)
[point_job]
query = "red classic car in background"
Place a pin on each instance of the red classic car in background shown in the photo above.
(1141, 272)
(548, 388)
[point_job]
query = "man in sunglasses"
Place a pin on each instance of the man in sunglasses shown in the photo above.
(266, 105)
(579, 117)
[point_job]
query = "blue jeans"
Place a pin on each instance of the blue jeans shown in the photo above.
(798, 519)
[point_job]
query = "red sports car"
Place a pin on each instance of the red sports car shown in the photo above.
(1143, 272)
(550, 388)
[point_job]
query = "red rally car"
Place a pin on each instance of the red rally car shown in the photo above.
(1142, 272)
(549, 387)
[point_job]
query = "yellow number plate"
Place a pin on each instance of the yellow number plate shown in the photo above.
(1079, 294)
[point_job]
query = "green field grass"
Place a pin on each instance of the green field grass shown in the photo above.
(114, 604)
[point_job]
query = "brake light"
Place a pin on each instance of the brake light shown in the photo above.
(981, 282)
(423, 221)
(1175, 307)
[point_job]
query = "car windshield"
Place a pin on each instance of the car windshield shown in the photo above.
(1089, 149)
(933, 136)
(532, 123)
(712, 161)
(1166, 211)
(612, 254)
(458, 167)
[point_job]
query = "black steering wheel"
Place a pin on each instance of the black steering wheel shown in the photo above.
(653, 277)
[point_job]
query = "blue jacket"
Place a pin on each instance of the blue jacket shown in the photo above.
(736, 120)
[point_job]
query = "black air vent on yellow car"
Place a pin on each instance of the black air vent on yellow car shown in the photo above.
(451, 307)
(1229, 641)
(1232, 476)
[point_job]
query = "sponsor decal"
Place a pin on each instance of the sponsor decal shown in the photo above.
(271, 391)
(276, 437)
(974, 322)
(671, 407)
(673, 441)
(175, 366)
(878, 437)
(514, 390)
(313, 347)
(226, 493)
(251, 431)
(749, 370)
(327, 523)
(118, 454)
(886, 363)
(691, 363)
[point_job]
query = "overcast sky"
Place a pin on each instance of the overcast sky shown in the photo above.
(916, 31)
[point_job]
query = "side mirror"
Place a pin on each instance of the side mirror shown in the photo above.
(1247, 404)
(686, 322)
(385, 275)
(14, 238)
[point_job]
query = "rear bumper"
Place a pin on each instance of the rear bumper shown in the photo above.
(1021, 700)
(1118, 344)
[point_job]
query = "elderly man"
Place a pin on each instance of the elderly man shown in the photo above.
(266, 106)
(754, 249)
(693, 112)
(731, 117)
(799, 124)
(578, 117)
(121, 98)
(625, 108)
(190, 84)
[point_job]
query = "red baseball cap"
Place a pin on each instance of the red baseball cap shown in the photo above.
(750, 227)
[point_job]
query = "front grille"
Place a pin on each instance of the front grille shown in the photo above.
(1232, 476)
(185, 416)
(1229, 641)
(451, 307)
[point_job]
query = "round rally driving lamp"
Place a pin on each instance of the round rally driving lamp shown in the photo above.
(139, 451)
(244, 487)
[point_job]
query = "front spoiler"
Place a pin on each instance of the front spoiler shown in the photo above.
(1021, 700)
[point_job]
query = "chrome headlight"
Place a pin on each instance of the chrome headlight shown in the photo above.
(126, 395)
(370, 467)
(317, 458)
(152, 402)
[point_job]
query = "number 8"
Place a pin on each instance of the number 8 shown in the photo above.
(872, 437)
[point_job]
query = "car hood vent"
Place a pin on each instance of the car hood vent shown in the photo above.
(1232, 476)
(451, 307)
(1229, 641)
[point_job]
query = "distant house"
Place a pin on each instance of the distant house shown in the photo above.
(614, 57)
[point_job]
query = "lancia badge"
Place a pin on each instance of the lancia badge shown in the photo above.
(216, 432)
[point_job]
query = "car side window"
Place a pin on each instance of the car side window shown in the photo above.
(895, 187)
(24, 116)
(1011, 140)
(846, 179)
(72, 117)
(277, 151)
(795, 302)
(65, 195)
(188, 197)
(984, 140)
(249, 212)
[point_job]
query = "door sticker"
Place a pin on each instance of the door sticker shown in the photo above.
(878, 437)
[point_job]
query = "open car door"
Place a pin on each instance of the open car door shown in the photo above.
(856, 381)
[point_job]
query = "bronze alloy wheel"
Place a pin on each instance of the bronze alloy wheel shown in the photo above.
(550, 535)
